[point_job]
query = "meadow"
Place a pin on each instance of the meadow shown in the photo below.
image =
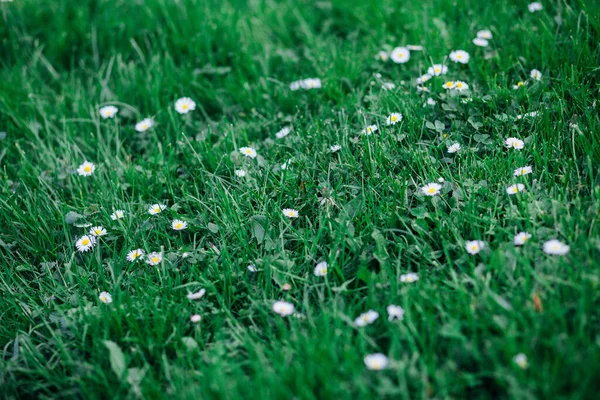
(297, 199)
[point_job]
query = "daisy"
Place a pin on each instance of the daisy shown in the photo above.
(118, 214)
(252, 268)
(311, 83)
(423, 79)
(480, 42)
(154, 258)
(335, 148)
(248, 152)
(86, 169)
(400, 55)
(283, 308)
(535, 74)
(484, 34)
(535, 6)
(429, 102)
(240, 173)
(383, 56)
(197, 295)
(290, 212)
(514, 143)
(437, 70)
(454, 148)
(448, 85)
(519, 84)
(460, 56)
(178, 225)
(370, 129)
(409, 278)
(195, 318)
(514, 189)
(366, 318)
(414, 47)
(474, 246)
(85, 243)
(98, 231)
(283, 133)
(461, 86)
(393, 119)
(105, 297)
(133, 255)
(431, 189)
(523, 171)
(321, 269)
(108, 112)
(529, 114)
(555, 247)
(521, 237)
(156, 209)
(521, 360)
(388, 86)
(144, 125)
(376, 362)
(184, 105)
(395, 312)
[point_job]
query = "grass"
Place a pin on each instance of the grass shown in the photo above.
(361, 209)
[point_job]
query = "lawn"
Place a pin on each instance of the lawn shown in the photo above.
(299, 199)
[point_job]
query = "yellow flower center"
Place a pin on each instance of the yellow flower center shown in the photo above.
(437, 70)
(157, 209)
(519, 84)
(394, 118)
(145, 126)
(178, 226)
(98, 231)
(444, 135)
(459, 85)
(474, 247)
(431, 190)
(85, 242)
(459, 56)
(185, 106)
(155, 259)
(87, 168)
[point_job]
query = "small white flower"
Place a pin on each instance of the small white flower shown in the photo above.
(321, 269)
(448, 85)
(335, 148)
(429, 102)
(383, 55)
(306, 84)
(555, 247)
(248, 152)
(283, 132)
(514, 143)
(519, 84)
(460, 56)
(395, 312)
(178, 225)
(523, 171)
(376, 362)
(134, 255)
(480, 42)
(105, 297)
(514, 189)
(240, 173)
(400, 55)
(252, 268)
(411, 277)
(461, 86)
(98, 231)
(369, 130)
(437, 70)
(86, 169)
(198, 295)
(423, 78)
(393, 119)
(195, 318)
(367, 318)
(535, 6)
(414, 47)
(474, 246)
(454, 148)
(156, 209)
(283, 308)
(388, 86)
(484, 34)
(184, 105)
(521, 360)
(118, 214)
(521, 237)
(290, 212)
(535, 74)
(154, 258)
(441, 180)
(108, 112)
(431, 189)
(144, 125)
(85, 243)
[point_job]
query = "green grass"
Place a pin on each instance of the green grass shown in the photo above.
(361, 209)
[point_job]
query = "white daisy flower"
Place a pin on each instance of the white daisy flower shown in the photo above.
(85, 243)
(376, 362)
(519, 84)
(514, 143)
(86, 169)
(523, 171)
(393, 119)
(480, 42)
(240, 173)
(431, 189)
(134, 255)
(156, 209)
(521, 237)
(98, 231)
(370, 129)
(144, 125)
(514, 189)
(555, 247)
(460, 56)
(388, 86)
(484, 34)
(395, 312)
(474, 246)
(437, 70)
(535, 6)
(414, 47)
(535, 74)
(448, 85)
(335, 148)
(366, 318)
(248, 152)
(383, 56)
(454, 148)
(195, 318)
(198, 295)
(283, 132)
(154, 258)
(409, 278)
(321, 269)
(283, 308)
(423, 78)
(108, 112)
(429, 102)
(400, 55)
(118, 214)
(252, 268)
(521, 360)
(178, 225)
(461, 86)
(306, 84)
(105, 297)
(290, 212)
(184, 105)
